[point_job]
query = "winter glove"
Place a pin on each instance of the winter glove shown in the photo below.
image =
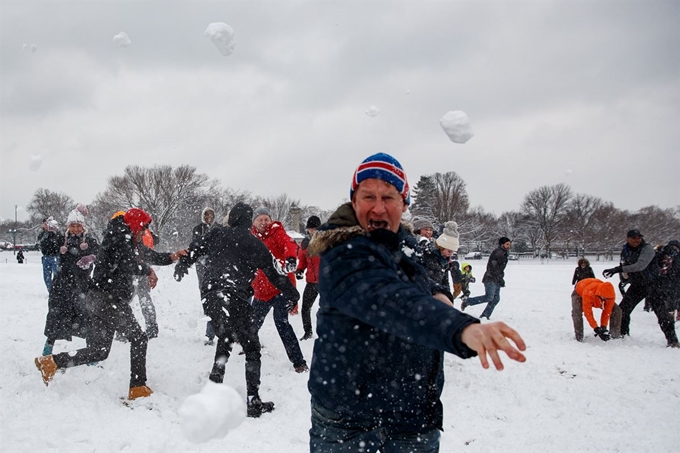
(607, 273)
(86, 261)
(181, 270)
(603, 333)
(472, 280)
(153, 279)
(291, 265)
(300, 275)
(291, 305)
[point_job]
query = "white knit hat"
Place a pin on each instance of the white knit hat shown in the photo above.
(449, 238)
(75, 216)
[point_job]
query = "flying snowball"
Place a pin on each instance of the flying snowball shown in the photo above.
(568, 172)
(408, 91)
(211, 413)
(457, 126)
(372, 111)
(122, 40)
(35, 163)
(25, 47)
(34, 48)
(222, 35)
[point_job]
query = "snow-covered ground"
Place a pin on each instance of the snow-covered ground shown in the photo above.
(619, 396)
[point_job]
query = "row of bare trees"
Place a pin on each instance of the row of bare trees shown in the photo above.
(549, 218)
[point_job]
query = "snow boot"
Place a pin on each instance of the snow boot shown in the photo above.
(463, 303)
(307, 336)
(139, 392)
(47, 367)
(257, 407)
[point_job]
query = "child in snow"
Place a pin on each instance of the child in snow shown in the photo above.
(583, 270)
(466, 279)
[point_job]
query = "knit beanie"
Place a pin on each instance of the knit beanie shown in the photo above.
(313, 222)
(385, 167)
(419, 223)
(75, 216)
(503, 240)
(137, 219)
(262, 210)
(449, 237)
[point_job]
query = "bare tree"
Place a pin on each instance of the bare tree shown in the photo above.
(279, 207)
(547, 207)
(450, 197)
(658, 225)
(46, 203)
(580, 220)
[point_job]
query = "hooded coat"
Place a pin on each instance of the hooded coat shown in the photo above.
(381, 334)
(591, 290)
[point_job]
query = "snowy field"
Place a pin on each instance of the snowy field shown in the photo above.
(619, 396)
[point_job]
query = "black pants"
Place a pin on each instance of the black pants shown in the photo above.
(658, 303)
(636, 292)
(237, 326)
(108, 315)
(308, 298)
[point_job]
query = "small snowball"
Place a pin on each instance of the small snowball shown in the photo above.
(122, 39)
(35, 163)
(222, 35)
(457, 126)
(372, 111)
(34, 48)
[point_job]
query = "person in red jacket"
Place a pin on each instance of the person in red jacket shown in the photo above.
(592, 293)
(266, 295)
(311, 264)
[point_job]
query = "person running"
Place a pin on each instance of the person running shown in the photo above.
(207, 222)
(234, 257)
(493, 279)
(119, 261)
(310, 264)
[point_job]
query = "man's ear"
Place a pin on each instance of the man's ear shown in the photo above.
(404, 208)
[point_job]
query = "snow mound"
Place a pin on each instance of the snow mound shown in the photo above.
(212, 413)
(222, 35)
(122, 39)
(457, 126)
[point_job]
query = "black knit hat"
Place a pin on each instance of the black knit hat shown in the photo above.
(503, 240)
(313, 222)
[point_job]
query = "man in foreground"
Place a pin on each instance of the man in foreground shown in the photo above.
(383, 326)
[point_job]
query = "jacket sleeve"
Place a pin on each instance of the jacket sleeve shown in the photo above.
(646, 256)
(302, 260)
(607, 312)
(276, 277)
(587, 305)
(155, 258)
(574, 279)
(363, 285)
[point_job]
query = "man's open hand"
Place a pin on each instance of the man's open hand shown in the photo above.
(491, 337)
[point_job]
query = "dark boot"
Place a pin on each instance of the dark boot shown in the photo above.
(257, 407)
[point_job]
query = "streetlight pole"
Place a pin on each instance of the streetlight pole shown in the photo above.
(14, 248)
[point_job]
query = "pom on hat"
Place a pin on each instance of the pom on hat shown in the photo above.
(313, 222)
(449, 238)
(75, 216)
(385, 167)
(420, 223)
(82, 209)
(137, 219)
(262, 210)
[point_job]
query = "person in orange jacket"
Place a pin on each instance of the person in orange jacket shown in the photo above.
(592, 293)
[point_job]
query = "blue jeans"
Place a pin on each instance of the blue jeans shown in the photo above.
(335, 433)
(492, 295)
(50, 265)
(286, 332)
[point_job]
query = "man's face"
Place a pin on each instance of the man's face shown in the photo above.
(378, 204)
(634, 241)
(507, 245)
(426, 232)
(261, 222)
(209, 217)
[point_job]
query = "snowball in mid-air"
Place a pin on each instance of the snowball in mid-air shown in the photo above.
(457, 126)
(122, 39)
(372, 111)
(222, 35)
(35, 163)
(34, 48)
(568, 172)
(211, 413)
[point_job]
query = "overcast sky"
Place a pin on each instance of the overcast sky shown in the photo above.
(581, 92)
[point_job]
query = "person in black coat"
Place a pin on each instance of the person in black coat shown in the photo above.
(67, 314)
(493, 279)
(207, 222)
(664, 294)
(583, 270)
(119, 261)
(232, 256)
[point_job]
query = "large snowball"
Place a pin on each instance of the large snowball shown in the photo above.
(372, 111)
(122, 39)
(457, 126)
(35, 163)
(211, 413)
(222, 35)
